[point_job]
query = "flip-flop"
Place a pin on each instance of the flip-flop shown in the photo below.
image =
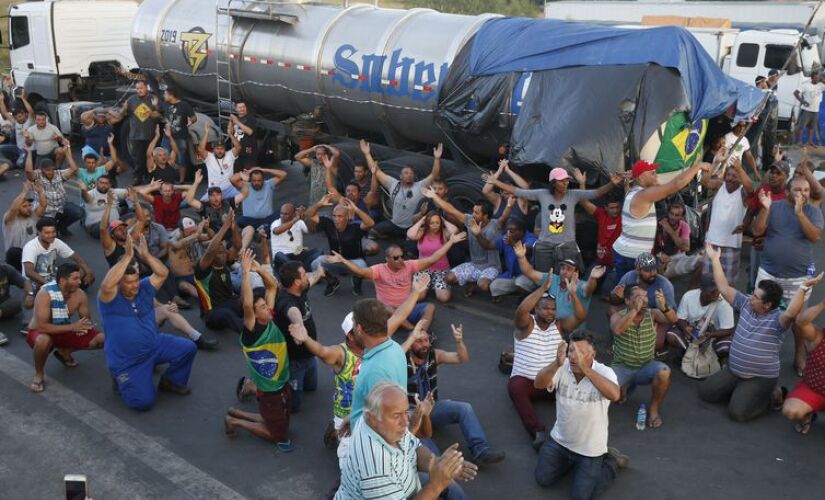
(37, 387)
(239, 389)
(655, 422)
(805, 427)
(68, 362)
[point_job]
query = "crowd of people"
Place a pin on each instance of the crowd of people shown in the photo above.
(238, 252)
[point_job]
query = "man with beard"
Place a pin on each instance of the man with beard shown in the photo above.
(50, 327)
(220, 163)
(93, 168)
(634, 348)
(243, 130)
(536, 338)
(64, 212)
(143, 112)
(362, 189)
(182, 255)
(96, 200)
(673, 244)
(422, 383)
(135, 346)
(647, 277)
(160, 164)
(165, 205)
(777, 177)
(727, 213)
(218, 205)
(19, 222)
(791, 227)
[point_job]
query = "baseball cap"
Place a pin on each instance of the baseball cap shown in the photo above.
(348, 324)
(115, 224)
(707, 283)
(782, 166)
(188, 223)
(642, 166)
(559, 174)
(570, 262)
(647, 261)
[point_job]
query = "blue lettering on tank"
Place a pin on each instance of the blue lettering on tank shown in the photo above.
(345, 68)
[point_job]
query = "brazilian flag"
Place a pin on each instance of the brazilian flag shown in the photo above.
(682, 143)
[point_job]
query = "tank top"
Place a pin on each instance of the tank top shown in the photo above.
(345, 382)
(814, 375)
(428, 245)
(536, 351)
(267, 360)
(727, 212)
(638, 233)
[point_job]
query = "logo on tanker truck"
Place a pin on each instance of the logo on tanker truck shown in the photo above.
(368, 76)
(195, 47)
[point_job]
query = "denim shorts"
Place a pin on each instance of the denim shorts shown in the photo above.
(643, 375)
(417, 312)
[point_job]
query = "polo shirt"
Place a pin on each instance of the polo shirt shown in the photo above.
(383, 363)
(757, 340)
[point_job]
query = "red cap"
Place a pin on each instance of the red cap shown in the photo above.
(642, 166)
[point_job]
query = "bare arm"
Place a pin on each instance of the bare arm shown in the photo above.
(795, 307)
(11, 213)
(302, 157)
(527, 269)
(652, 194)
(436, 170)
(383, 178)
(523, 319)
(150, 158)
(805, 321)
(727, 291)
(449, 210)
(108, 287)
(190, 193)
(355, 269)
(460, 356)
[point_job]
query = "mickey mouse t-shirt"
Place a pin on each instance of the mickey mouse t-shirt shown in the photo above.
(558, 217)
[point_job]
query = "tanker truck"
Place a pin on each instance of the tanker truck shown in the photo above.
(553, 92)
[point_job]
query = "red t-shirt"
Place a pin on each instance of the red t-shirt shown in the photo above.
(609, 230)
(167, 214)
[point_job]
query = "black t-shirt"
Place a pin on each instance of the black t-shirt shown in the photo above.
(177, 116)
(348, 243)
(248, 144)
(216, 216)
(97, 136)
(285, 302)
(249, 337)
(141, 123)
(9, 276)
(220, 284)
(167, 174)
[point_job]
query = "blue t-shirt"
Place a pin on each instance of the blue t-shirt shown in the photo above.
(564, 304)
(384, 362)
(787, 252)
(131, 332)
(632, 278)
(510, 261)
(90, 179)
(260, 203)
(97, 137)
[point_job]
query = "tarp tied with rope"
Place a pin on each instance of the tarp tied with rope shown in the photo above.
(584, 95)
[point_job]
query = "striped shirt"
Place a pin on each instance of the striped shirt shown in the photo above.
(372, 468)
(754, 351)
(637, 345)
(638, 233)
(536, 351)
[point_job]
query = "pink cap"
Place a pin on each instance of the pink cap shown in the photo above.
(559, 174)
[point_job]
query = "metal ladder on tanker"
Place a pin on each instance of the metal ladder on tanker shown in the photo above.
(226, 11)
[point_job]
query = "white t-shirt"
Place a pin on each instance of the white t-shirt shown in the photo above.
(45, 260)
(19, 128)
(581, 411)
(219, 170)
(692, 311)
(291, 241)
(97, 203)
(744, 145)
(727, 212)
(811, 92)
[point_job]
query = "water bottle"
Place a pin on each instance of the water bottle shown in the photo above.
(811, 270)
(641, 418)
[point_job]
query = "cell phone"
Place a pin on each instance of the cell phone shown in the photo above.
(76, 488)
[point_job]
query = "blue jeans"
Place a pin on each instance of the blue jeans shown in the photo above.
(306, 258)
(447, 412)
(591, 475)
(256, 222)
(643, 375)
(303, 376)
(622, 264)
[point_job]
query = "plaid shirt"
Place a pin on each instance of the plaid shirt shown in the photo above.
(55, 191)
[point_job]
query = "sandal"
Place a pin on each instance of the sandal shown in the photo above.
(239, 390)
(655, 422)
(68, 361)
(37, 386)
(805, 427)
(227, 428)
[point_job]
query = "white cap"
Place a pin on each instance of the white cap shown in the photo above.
(348, 324)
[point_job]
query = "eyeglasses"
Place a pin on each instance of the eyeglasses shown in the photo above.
(395, 257)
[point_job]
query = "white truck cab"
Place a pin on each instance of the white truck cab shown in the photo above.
(64, 50)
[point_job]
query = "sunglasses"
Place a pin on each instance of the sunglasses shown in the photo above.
(395, 257)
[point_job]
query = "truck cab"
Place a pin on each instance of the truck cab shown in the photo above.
(755, 53)
(67, 50)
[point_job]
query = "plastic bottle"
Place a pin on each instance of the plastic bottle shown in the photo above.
(811, 270)
(641, 418)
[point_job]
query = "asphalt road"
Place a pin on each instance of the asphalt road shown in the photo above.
(178, 449)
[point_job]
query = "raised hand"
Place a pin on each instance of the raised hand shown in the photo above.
(246, 261)
(458, 332)
(298, 332)
(618, 291)
(798, 203)
(519, 249)
(365, 147)
(438, 151)
(561, 353)
(813, 281)
(579, 176)
(447, 467)
(711, 252)
(421, 282)
(198, 176)
(765, 199)
(111, 139)
(458, 237)
(639, 303)
(244, 175)
(582, 357)
(572, 282)
(598, 271)
(511, 200)
(327, 161)
(141, 246)
(429, 193)
(167, 131)
(661, 302)
(474, 228)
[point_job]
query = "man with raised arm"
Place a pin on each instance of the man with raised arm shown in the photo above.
(220, 163)
(135, 346)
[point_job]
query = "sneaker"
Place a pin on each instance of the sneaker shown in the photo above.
(3, 339)
(331, 287)
(205, 343)
(285, 446)
(488, 457)
(539, 440)
(357, 284)
(621, 459)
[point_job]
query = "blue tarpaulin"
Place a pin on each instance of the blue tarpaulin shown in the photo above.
(506, 45)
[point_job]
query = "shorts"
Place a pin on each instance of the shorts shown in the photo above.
(417, 312)
(469, 272)
(730, 264)
(65, 340)
(438, 279)
(189, 278)
(390, 230)
(682, 264)
(643, 375)
(274, 409)
(789, 286)
(808, 119)
(804, 393)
